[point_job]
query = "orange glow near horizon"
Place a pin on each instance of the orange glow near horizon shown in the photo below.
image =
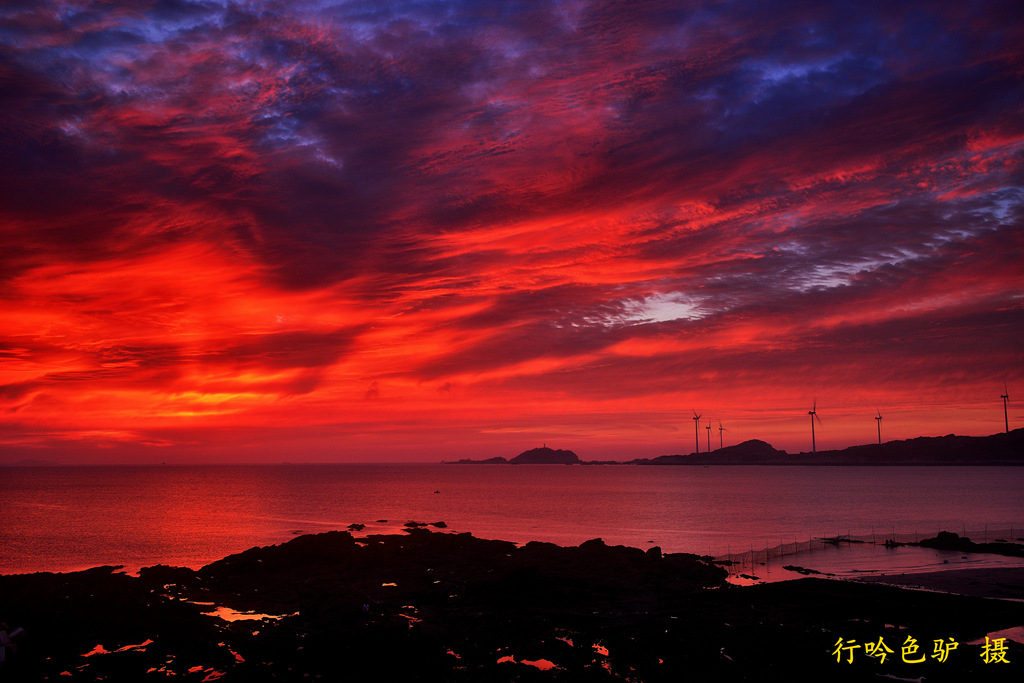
(478, 235)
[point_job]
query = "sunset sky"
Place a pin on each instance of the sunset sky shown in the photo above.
(388, 231)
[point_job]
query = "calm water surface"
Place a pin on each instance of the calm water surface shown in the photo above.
(64, 519)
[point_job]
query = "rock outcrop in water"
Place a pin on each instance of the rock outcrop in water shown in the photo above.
(947, 540)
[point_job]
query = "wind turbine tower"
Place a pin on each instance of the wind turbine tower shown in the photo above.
(696, 432)
(878, 421)
(721, 441)
(1006, 399)
(813, 412)
(709, 436)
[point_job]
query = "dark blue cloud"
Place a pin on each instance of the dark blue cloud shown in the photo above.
(329, 129)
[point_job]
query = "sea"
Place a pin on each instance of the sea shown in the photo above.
(831, 519)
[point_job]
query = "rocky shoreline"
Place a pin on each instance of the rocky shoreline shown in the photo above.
(434, 606)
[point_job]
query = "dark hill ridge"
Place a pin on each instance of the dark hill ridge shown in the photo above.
(997, 449)
(741, 454)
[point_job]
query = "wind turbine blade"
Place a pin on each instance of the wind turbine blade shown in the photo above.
(817, 418)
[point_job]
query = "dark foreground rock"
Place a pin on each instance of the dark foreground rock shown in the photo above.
(430, 606)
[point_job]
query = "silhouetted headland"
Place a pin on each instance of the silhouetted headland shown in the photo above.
(431, 606)
(997, 449)
(754, 451)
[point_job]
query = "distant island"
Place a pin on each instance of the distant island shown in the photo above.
(534, 456)
(997, 449)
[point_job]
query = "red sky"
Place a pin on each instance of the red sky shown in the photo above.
(330, 231)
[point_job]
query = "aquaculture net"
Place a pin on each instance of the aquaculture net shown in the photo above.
(777, 554)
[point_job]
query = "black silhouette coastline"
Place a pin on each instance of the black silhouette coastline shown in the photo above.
(459, 608)
(997, 449)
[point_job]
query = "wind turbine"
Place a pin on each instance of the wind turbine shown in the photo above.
(813, 412)
(709, 436)
(696, 434)
(1006, 399)
(878, 420)
(721, 429)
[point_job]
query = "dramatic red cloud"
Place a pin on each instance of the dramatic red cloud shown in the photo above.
(310, 232)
